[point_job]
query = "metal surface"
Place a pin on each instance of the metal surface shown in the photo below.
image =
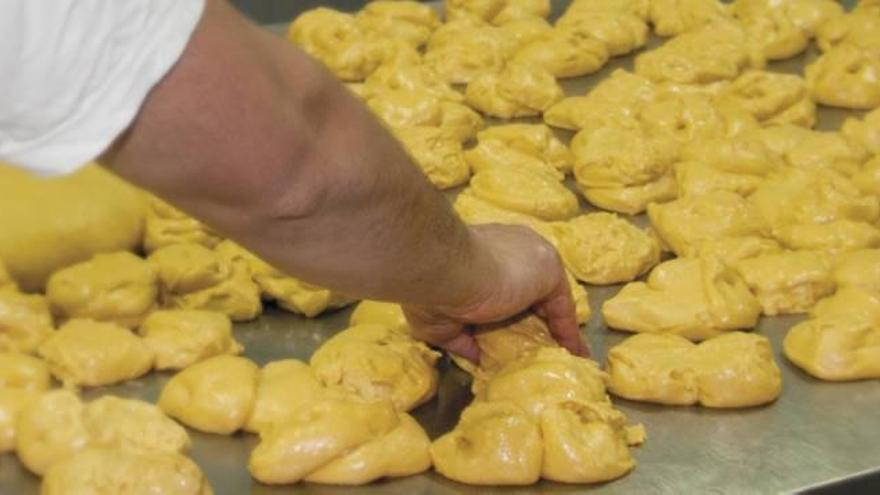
(815, 434)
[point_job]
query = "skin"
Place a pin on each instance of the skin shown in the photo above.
(253, 137)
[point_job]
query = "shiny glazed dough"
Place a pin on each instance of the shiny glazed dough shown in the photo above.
(50, 429)
(784, 28)
(464, 48)
(518, 90)
(12, 402)
(858, 269)
(437, 152)
(25, 321)
(564, 52)
(839, 347)
(283, 389)
(386, 314)
(535, 140)
(410, 22)
(180, 338)
(90, 353)
(788, 282)
(132, 425)
(525, 192)
(620, 32)
(772, 98)
(216, 395)
(615, 98)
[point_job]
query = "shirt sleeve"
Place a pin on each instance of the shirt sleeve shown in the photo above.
(74, 73)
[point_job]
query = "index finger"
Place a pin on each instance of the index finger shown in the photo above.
(559, 312)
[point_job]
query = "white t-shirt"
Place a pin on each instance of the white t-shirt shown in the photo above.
(74, 73)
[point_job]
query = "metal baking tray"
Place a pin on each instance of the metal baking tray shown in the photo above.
(818, 437)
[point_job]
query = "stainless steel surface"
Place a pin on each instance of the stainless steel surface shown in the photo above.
(815, 433)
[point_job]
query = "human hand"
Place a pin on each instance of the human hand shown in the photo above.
(526, 273)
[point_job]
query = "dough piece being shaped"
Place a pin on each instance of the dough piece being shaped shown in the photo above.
(416, 78)
(772, 98)
(320, 435)
(437, 152)
(535, 140)
(165, 225)
(602, 248)
(564, 52)
(858, 269)
(789, 282)
(615, 98)
(621, 33)
(284, 388)
(91, 353)
(673, 17)
(12, 402)
(50, 429)
(132, 425)
(845, 76)
(386, 314)
(462, 49)
(408, 21)
(525, 192)
(686, 222)
(117, 288)
(215, 396)
(494, 443)
(100, 471)
(632, 200)
(336, 39)
(837, 347)
(729, 371)
(25, 321)
(23, 372)
(718, 51)
(181, 338)
(49, 224)
(502, 343)
(784, 28)
(377, 363)
(516, 91)
(696, 298)
(192, 276)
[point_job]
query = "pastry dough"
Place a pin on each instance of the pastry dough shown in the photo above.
(638, 8)
(838, 347)
(91, 353)
(858, 27)
(12, 402)
(673, 17)
(216, 395)
(729, 371)
(438, 153)
(865, 132)
(846, 76)
(6, 281)
(737, 164)
(192, 276)
(813, 150)
(732, 249)
(520, 32)
(118, 288)
(402, 108)
(132, 425)
(386, 314)
(408, 21)
(784, 27)
(497, 12)
(620, 32)
(789, 282)
(23, 372)
(165, 225)
(283, 389)
(488, 154)
(849, 300)
(100, 471)
(418, 78)
(690, 117)
(25, 321)
(564, 52)
(341, 442)
(462, 49)
(602, 248)
(181, 338)
(534, 140)
(524, 192)
(615, 98)
(475, 211)
(685, 223)
(378, 363)
(632, 200)
(858, 269)
(772, 98)
(338, 41)
(868, 178)
(696, 298)
(50, 429)
(518, 90)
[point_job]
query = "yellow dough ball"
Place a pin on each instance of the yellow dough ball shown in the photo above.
(24, 372)
(118, 288)
(534, 140)
(697, 298)
(621, 33)
(520, 32)
(105, 471)
(673, 17)
(632, 200)
(50, 429)
(132, 425)
(773, 98)
(410, 22)
(283, 389)
(848, 300)
(602, 248)
(686, 118)
(858, 27)
(90, 353)
(476, 211)
(12, 402)
(180, 338)
(654, 368)
(525, 192)
(336, 39)
(68, 220)
(462, 49)
(494, 443)
(516, 91)
(503, 343)
(386, 314)
(638, 8)
(789, 282)
(378, 363)
(411, 78)
(858, 269)
(563, 52)
(165, 225)
(437, 152)
(837, 347)
(404, 108)
(615, 98)
(730, 250)
(845, 76)
(216, 395)
(25, 321)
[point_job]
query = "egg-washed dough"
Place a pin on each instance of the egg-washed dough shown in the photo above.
(378, 363)
(386, 314)
(338, 41)
(564, 52)
(772, 98)
(50, 429)
(525, 192)
(518, 90)
(165, 225)
(339, 441)
(106, 471)
(858, 269)
(181, 338)
(49, 224)
(132, 425)
(90, 353)
(192, 276)
(489, 154)
(784, 28)
(845, 76)
(673, 17)
(686, 222)
(404, 108)
(283, 388)
(729, 371)
(789, 282)
(462, 49)
(839, 347)
(437, 152)
(216, 395)
(535, 140)
(23, 372)
(25, 321)
(616, 97)
(696, 298)
(12, 402)
(118, 288)
(602, 248)
(410, 22)
(620, 32)
(718, 51)
(632, 200)
(420, 78)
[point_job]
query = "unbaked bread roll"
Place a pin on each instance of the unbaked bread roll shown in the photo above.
(50, 429)
(858, 27)
(464, 48)
(789, 282)
(437, 152)
(620, 32)
(845, 76)
(858, 269)
(810, 150)
(564, 52)
(518, 90)
(864, 132)
(25, 321)
(132, 425)
(386, 314)
(418, 78)
(690, 117)
(784, 28)
(476, 211)
(181, 338)
(283, 389)
(338, 41)
(616, 97)
(23, 372)
(737, 164)
(12, 402)
(165, 225)
(91, 353)
(524, 192)
(534, 140)
(404, 108)
(118, 288)
(772, 98)
(696, 298)
(216, 395)
(408, 21)
(673, 17)
(497, 12)
(632, 200)
(732, 249)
